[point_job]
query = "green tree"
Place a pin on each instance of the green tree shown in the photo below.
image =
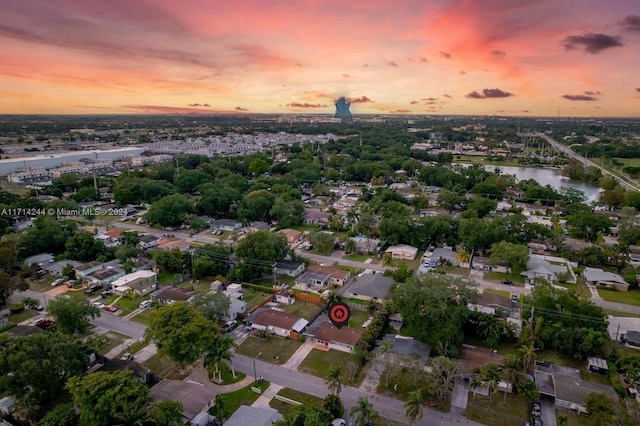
(82, 246)
(72, 311)
(256, 205)
(585, 224)
(30, 302)
(212, 306)
(287, 213)
(218, 351)
(413, 406)
(514, 255)
(322, 241)
(350, 246)
(334, 380)
(167, 413)
(180, 332)
(68, 272)
(488, 377)
(170, 210)
(363, 412)
(40, 365)
(62, 414)
(216, 200)
(305, 415)
(109, 398)
(220, 402)
(333, 405)
(263, 245)
(510, 373)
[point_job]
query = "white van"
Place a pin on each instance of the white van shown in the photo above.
(145, 304)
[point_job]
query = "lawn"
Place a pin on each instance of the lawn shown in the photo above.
(499, 276)
(631, 297)
(573, 420)
(165, 278)
(163, 367)
(580, 288)
(319, 363)
(227, 377)
(304, 309)
(514, 413)
(254, 297)
(127, 305)
(41, 284)
(358, 318)
(244, 396)
(135, 347)
(110, 340)
(21, 316)
(284, 407)
(498, 292)
(454, 270)
(273, 349)
(143, 316)
(199, 286)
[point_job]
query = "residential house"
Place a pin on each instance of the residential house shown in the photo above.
(342, 339)
(312, 281)
(402, 252)
(105, 276)
(291, 235)
(599, 278)
(148, 241)
(370, 287)
(286, 297)
(408, 346)
(194, 397)
(632, 339)
(7, 405)
(254, 416)
(39, 259)
(345, 203)
(366, 245)
(258, 226)
(87, 268)
(56, 268)
(634, 256)
(566, 387)
(542, 246)
(289, 268)
(137, 370)
(228, 225)
(139, 282)
(237, 306)
(313, 217)
(337, 277)
(440, 256)
(169, 295)
(514, 194)
(538, 267)
(280, 323)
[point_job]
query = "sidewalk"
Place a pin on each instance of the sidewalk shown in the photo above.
(299, 355)
(266, 397)
(200, 375)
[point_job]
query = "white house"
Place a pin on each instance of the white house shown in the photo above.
(236, 306)
(140, 282)
(402, 252)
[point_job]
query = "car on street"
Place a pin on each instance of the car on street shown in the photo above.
(508, 282)
(228, 326)
(111, 309)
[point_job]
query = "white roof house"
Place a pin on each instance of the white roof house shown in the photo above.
(402, 251)
(142, 282)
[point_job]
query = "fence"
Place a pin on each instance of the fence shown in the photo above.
(357, 306)
(308, 298)
(287, 400)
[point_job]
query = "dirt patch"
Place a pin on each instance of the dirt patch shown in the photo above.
(475, 357)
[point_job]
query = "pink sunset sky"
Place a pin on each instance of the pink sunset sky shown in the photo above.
(504, 57)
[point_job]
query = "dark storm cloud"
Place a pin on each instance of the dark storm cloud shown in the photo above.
(631, 23)
(591, 43)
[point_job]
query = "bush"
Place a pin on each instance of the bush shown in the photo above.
(617, 384)
(16, 308)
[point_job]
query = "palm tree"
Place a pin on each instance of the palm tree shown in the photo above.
(220, 402)
(219, 351)
(353, 217)
(333, 297)
(488, 325)
(334, 380)
(563, 420)
(386, 260)
(350, 246)
(372, 307)
(462, 256)
(510, 372)
(413, 406)
(363, 412)
(489, 378)
(528, 356)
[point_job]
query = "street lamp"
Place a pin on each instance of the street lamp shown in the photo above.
(255, 373)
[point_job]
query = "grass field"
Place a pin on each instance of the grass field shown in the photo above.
(357, 318)
(127, 305)
(304, 309)
(284, 407)
(361, 258)
(244, 396)
(254, 297)
(273, 349)
(498, 292)
(21, 316)
(110, 340)
(319, 363)
(580, 288)
(631, 297)
(41, 284)
(164, 367)
(498, 276)
(514, 413)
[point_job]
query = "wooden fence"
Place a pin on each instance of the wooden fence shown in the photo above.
(308, 298)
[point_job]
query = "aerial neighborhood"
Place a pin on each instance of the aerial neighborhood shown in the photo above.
(182, 271)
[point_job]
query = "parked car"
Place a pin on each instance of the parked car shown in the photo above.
(145, 304)
(126, 356)
(111, 309)
(536, 410)
(338, 422)
(57, 282)
(228, 326)
(515, 298)
(508, 282)
(106, 294)
(98, 305)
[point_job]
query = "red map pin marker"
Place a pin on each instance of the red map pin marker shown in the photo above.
(339, 314)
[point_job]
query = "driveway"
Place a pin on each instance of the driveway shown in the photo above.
(548, 411)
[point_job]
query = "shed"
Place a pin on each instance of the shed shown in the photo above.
(6, 405)
(598, 365)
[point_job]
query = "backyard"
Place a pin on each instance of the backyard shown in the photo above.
(306, 310)
(273, 349)
(254, 297)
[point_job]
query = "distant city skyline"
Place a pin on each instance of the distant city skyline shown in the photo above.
(574, 58)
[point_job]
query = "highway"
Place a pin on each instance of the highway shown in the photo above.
(626, 183)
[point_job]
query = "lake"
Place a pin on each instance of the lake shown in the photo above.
(548, 177)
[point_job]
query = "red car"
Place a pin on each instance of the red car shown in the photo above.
(110, 309)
